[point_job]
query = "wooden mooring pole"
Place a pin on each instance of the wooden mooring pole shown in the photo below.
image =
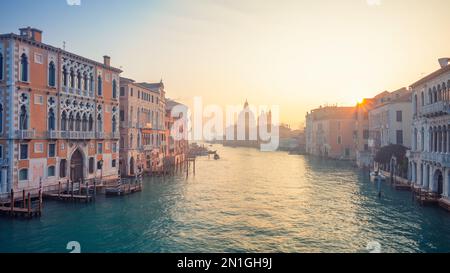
(24, 199)
(12, 201)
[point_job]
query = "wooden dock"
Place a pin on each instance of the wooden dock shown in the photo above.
(24, 207)
(73, 192)
(125, 186)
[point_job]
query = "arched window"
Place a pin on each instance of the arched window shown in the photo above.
(1, 66)
(422, 139)
(1, 118)
(91, 81)
(114, 89)
(91, 165)
(52, 74)
(64, 121)
(99, 123)
(415, 105)
(435, 95)
(23, 175)
(62, 168)
(99, 86)
(85, 82)
(430, 96)
(131, 141)
(23, 120)
(24, 68)
(64, 75)
(71, 121)
(51, 171)
(84, 123)
(79, 79)
(78, 123)
(91, 123)
(72, 79)
(114, 124)
(51, 120)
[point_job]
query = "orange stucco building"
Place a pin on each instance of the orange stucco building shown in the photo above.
(59, 114)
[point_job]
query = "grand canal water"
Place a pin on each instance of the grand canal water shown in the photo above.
(247, 201)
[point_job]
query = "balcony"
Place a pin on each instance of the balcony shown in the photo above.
(77, 135)
(436, 109)
(25, 134)
(100, 135)
(441, 158)
(115, 135)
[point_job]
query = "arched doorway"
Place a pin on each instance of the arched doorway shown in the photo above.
(439, 182)
(132, 166)
(76, 166)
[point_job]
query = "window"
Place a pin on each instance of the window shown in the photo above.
(23, 151)
(91, 165)
(1, 66)
(339, 140)
(113, 163)
(51, 171)
(63, 146)
(99, 86)
(24, 68)
(122, 115)
(131, 92)
(114, 124)
(62, 168)
(72, 79)
(51, 150)
(99, 123)
(399, 137)
(1, 118)
(38, 58)
(23, 121)
(366, 134)
(114, 89)
(38, 148)
(99, 165)
(64, 121)
(1, 151)
(114, 147)
(64, 75)
(38, 99)
(51, 74)
(23, 175)
(399, 116)
(99, 148)
(51, 120)
(122, 91)
(85, 87)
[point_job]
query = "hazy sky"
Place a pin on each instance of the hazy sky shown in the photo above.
(296, 54)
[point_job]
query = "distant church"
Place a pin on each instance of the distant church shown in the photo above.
(250, 120)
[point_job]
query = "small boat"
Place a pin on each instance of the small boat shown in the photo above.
(375, 175)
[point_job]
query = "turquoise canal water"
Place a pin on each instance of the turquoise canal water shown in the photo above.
(246, 202)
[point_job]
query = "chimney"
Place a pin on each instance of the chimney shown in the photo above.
(31, 33)
(444, 62)
(107, 60)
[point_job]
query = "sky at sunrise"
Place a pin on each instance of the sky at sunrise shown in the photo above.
(295, 54)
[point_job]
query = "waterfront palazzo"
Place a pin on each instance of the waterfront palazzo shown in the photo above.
(429, 157)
